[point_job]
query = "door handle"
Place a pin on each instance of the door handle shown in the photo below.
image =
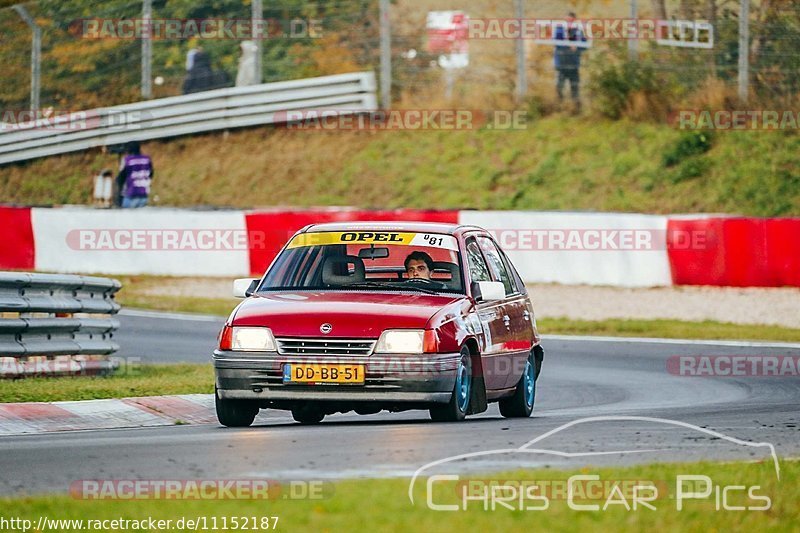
(507, 320)
(526, 315)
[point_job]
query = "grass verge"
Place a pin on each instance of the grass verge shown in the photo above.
(383, 505)
(669, 329)
(182, 304)
(558, 162)
(153, 292)
(134, 380)
(166, 293)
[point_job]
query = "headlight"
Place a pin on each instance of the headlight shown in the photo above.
(400, 341)
(253, 340)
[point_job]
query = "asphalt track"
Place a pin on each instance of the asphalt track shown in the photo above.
(581, 378)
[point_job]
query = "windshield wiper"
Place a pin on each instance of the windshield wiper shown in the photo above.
(381, 284)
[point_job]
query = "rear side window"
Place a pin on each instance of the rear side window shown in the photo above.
(496, 265)
(477, 266)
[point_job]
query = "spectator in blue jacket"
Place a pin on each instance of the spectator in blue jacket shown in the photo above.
(567, 59)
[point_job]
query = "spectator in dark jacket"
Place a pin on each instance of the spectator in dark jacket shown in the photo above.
(567, 59)
(201, 77)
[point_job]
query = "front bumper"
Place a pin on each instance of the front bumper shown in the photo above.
(427, 378)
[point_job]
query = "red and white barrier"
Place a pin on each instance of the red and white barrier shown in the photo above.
(627, 250)
(581, 248)
(739, 252)
(17, 248)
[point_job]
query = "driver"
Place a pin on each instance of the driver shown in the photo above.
(419, 265)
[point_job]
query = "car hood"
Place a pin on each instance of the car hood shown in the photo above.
(351, 314)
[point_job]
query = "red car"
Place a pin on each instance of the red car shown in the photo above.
(367, 317)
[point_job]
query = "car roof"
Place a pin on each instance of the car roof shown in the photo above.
(414, 227)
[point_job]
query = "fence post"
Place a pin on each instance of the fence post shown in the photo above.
(386, 55)
(744, 49)
(633, 43)
(522, 73)
(147, 49)
(36, 55)
(258, 15)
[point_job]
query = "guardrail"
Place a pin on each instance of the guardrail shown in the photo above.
(48, 327)
(181, 115)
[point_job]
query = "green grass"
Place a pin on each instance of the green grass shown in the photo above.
(153, 292)
(670, 329)
(383, 505)
(183, 304)
(133, 380)
(558, 162)
(141, 291)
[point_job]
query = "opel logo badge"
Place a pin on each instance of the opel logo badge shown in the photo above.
(326, 328)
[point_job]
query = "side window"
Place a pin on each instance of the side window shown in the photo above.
(515, 277)
(496, 265)
(476, 264)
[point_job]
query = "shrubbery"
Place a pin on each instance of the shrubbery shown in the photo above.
(615, 86)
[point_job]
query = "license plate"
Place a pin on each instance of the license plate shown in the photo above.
(300, 373)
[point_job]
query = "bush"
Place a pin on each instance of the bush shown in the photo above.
(689, 145)
(614, 87)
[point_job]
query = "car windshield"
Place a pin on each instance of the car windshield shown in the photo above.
(368, 260)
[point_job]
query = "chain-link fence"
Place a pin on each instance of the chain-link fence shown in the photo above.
(92, 55)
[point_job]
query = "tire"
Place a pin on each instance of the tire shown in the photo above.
(235, 413)
(520, 405)
(307, 415)
(456, 409)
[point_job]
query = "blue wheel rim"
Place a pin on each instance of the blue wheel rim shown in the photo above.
(530, 384)
(462, 387)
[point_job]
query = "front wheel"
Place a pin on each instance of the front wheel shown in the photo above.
(520, 405)
(456, 409)
(235, 413)
(307, 415)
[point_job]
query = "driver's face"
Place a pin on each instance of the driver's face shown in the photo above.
(418, 269)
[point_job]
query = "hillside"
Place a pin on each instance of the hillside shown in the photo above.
(559, 162)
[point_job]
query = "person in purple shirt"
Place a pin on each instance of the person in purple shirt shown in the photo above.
(135, 176)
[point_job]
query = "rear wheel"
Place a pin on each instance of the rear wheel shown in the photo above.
(520, 405)
(456, 409)
(235, 413)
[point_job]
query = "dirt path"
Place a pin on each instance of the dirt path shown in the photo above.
(779, 306)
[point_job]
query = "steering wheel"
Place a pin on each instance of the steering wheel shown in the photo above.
(428, 283)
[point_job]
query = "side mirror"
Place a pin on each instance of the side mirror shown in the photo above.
(488, 291)
(242, 288)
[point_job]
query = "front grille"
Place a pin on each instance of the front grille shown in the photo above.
(317, 346)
